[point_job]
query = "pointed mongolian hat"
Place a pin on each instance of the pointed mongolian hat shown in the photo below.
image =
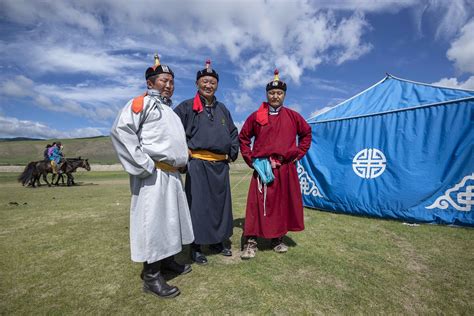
(276, 83)
(157, 69)
(208, 71)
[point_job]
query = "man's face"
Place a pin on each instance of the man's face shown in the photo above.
(207, 86)
(275, 97)
(164, 83)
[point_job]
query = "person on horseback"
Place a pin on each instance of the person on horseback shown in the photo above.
(46, 152)
(56, 157)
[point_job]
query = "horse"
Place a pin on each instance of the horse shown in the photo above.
(29, 174)
(35, 169)
(70, 166)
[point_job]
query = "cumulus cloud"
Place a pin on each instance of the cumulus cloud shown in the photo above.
(241, 102)
(292, 37)
(13, 127)
(461, 51)
(94, 103)
(66, 60)
(454, 83)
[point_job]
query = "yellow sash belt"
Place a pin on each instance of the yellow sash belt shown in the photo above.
(207, 155)
(165, 167)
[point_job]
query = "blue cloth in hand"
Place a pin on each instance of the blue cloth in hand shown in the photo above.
(264, 169)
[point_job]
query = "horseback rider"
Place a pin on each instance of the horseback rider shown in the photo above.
(56, 157)
(46, 152)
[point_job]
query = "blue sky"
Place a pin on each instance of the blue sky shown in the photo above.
(67, 67)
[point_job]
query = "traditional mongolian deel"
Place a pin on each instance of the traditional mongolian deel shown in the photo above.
(400, 149)
(210, 130)
(276, 209)
(160, 222)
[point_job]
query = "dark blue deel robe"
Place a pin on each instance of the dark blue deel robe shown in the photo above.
(207, 183)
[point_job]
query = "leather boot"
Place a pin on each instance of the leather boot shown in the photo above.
(170, 265)
(154, 283)
(197, 255)
(151, 267)
(222, 249)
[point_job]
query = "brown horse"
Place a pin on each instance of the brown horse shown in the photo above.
(70, 166)
(35, 169)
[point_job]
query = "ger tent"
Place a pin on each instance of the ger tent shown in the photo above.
(400, 149)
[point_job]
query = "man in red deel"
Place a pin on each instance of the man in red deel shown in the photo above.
(280, 138)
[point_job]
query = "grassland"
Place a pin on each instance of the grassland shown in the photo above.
(66, 251)
(98, 150)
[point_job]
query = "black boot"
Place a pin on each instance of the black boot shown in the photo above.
(170, 265)
(222, 249)
(154, 283)
(197, 255)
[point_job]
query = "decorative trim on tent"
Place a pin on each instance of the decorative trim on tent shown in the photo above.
(394, 111)
(464, 195)
(308, 186)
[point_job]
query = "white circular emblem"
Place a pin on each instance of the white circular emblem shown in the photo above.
(369, 163)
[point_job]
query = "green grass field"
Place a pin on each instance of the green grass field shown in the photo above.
(98, 150)
(65, 250)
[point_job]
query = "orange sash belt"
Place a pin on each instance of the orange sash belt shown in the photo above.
(165, 167)
(207, 155)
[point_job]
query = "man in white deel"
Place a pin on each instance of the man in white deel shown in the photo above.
(151, 144)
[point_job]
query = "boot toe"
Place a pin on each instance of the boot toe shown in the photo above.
(199, 257)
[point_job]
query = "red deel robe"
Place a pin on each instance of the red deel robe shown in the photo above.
(278, 138)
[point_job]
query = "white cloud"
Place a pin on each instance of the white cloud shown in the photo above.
(13, 127)
(461, 51)
(51, 12)
(292, 37)
(328, 85)
(445, 17)
(295, 107)
(67, 60)
(454, 15)
(453, 83)
(321, 111)
(369, 6)
(239, 125)
(240, 102)
(91, 102)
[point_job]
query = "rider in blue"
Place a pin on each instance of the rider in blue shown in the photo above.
(56, 156)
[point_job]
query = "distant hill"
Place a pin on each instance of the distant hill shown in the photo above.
(14, 139)
(98, 150)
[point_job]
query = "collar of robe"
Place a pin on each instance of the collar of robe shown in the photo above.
(198, 104)
(273, 111)
(162, 99)
(263, 112)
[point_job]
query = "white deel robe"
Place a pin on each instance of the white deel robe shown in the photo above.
(160, 222)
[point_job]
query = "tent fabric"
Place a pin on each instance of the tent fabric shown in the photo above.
(392, 94)
(400, 149)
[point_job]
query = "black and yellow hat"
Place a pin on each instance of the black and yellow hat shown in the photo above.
(157, 69)
(208, 71)
(276, 83)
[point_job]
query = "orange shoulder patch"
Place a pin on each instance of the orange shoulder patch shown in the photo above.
(137, 104)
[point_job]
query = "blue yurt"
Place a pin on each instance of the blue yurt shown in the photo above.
(399, 150)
